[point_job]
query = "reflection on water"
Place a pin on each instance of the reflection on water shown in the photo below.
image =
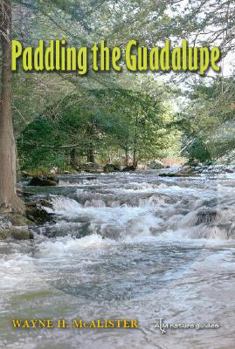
(134, 246)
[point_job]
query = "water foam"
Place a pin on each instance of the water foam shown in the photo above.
(132, 207)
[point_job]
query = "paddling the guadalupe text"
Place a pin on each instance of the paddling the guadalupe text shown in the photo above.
(57, 55)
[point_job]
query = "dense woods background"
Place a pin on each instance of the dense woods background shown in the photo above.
(64, 120)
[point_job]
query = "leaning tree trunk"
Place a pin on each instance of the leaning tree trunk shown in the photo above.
(8, 197)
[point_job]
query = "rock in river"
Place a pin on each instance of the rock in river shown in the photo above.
(44, 181)
(36, 212)
(111, 168)
(16, 233)
(129, 168)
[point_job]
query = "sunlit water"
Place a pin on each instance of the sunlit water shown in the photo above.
(134, 246)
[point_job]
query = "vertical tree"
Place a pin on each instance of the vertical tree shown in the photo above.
(8, 197)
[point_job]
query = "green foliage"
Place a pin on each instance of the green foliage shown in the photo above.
(116, 116)
(209, 120)
(94, 123)
(38, 145)
(197, 151)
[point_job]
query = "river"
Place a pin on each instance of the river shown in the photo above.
(126, 246)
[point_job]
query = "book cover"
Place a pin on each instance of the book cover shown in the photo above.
(117, 174)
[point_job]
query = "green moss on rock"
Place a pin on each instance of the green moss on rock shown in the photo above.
(16, 233)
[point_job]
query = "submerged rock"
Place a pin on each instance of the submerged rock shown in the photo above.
(206, 216)
(23, 194)
(111, 168)
(76, 231)
(89, 178)
(42, 181)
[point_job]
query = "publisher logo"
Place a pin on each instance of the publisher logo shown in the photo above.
(164, 326)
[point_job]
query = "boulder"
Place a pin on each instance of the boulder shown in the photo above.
(18, 219)
(36, 213)
(228, 170)
(184, 171)
(111, 168)
(21, 234)
(16, 233)
(44, 181)
(129, 168)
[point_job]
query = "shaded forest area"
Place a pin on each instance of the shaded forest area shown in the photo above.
(63, 121)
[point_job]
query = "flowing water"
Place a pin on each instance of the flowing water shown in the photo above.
(126, 246)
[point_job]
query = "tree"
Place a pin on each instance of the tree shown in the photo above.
(123, 123)
(8, 197)
(99, 124)
(208, 120)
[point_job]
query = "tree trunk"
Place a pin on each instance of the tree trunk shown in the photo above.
(90, 149)
(135, 160)
(90, 154)
(8, 198)
(126, 157)
(74, 158)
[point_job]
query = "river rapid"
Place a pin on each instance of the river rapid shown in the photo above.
(126, 246)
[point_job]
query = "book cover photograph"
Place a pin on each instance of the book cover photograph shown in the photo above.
(117, 174)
